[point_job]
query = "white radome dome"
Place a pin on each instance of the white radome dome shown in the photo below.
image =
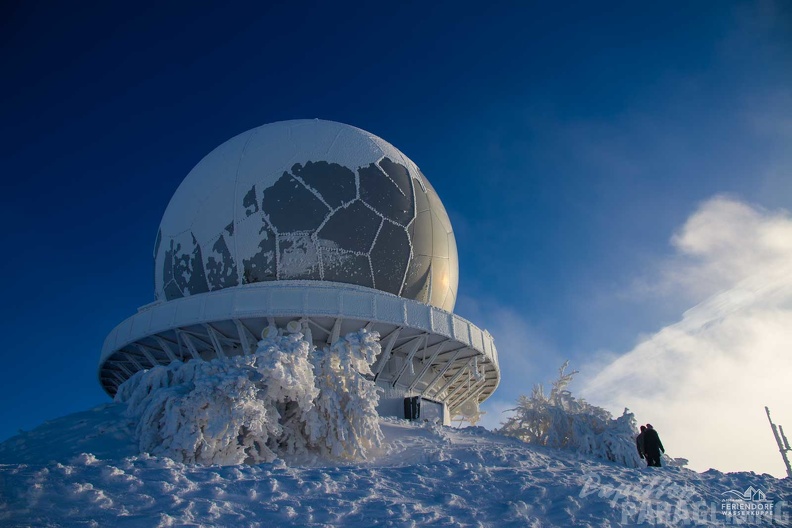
(307, 200)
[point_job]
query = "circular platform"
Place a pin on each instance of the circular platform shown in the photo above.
(426, 351)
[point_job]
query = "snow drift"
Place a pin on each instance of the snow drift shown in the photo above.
(422, 475)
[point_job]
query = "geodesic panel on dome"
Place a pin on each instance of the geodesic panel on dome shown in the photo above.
(298, 257)
(439, 238)
(352, 228)
(344, 266)
(398, 174)
(292, 207)
(421, 233)
(256, 247)
(308, 200)
(439, 282)
(453, 265)
(250, 202)
(389, 257)
(381, 193)
(333, 182)
(188, 270)
(416, 284)
(221, 271)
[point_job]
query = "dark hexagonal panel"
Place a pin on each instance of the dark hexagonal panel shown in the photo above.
(399, 174)
(221, 270)
(172, 291)
(249, 202)
(390, 257)
(352, 228)
(167, 272)
(188, 272)
(262, 265)
(343, 266)
(292, 207)
(377, 190)
(334, 182)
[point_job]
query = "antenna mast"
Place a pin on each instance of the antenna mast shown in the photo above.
(783, 443)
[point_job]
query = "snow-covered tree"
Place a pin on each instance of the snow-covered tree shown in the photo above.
(254, 408)
(347, 402)
(225, 411)
(563, 421)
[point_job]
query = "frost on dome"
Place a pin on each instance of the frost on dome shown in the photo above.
(314, 201)
(287, 398)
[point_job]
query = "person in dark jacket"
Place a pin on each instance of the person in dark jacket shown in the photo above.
(652, 446)
(639, 442)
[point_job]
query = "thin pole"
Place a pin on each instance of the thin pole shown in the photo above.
(781, 440)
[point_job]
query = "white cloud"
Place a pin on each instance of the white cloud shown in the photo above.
(703, 382)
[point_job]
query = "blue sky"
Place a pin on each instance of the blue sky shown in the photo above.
(570, 144)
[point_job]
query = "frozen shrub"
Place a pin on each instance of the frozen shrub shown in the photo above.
(563, 421)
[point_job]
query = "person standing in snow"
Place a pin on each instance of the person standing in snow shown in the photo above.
(652, 446)
(639, 442)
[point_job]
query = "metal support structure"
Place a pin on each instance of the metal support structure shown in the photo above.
(119, 377)
(428, 364)
(132, 359)
(389, 342)
(335, 333)
(123, 367)
(442, 372)
(453, 379)
(188, 342)
(320, 327)
(165, 346)
(452, 395)
(151, 359)
(213, 337)
(243, 337)
(475, 391)
(180, 346)
(415, 344)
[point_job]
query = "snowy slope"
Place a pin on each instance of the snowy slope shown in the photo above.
(424, 476)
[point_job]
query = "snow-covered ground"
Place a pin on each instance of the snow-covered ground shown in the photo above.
(83, 470)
